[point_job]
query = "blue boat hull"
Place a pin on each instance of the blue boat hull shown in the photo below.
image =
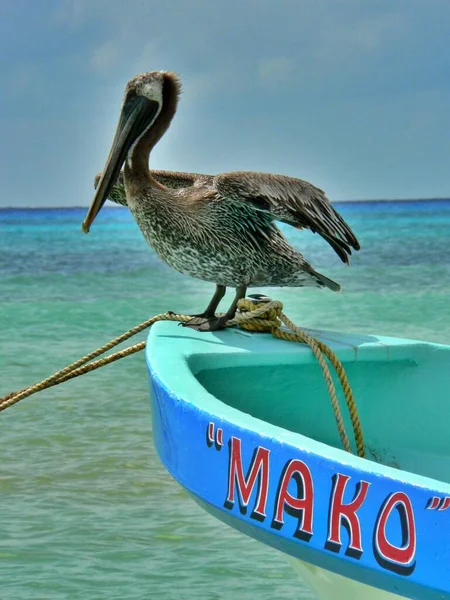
(374, 523)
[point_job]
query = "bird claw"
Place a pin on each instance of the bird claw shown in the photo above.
(205, 324)
(197, 320)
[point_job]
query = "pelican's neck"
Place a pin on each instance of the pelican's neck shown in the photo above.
(138, 158)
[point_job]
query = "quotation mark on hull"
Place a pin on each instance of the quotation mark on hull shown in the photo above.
(216, 439)
(436, 503)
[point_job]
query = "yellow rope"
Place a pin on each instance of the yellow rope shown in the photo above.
(274, 318)
(265, 316)
(76, 368)
(345, 384)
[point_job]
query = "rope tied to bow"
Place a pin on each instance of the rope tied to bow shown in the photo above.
(260, 315)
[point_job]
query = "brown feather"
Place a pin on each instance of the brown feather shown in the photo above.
(291, 201)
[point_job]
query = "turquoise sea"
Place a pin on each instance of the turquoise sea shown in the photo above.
(86, 509)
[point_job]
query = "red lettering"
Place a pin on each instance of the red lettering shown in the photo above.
(445, 503)
(347, 512)
(434, 503)
(401, 555)
(303, 503)
(259, 466)
(211, 433)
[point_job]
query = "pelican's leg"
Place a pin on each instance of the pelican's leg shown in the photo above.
(210, 311)
(215, 323)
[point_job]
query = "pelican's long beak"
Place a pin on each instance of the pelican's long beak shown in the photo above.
(137, 114)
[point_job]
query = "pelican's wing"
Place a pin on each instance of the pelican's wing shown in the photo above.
(291, 201)
(171, 179)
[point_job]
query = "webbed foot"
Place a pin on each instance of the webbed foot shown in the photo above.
(204, 315)
(206, 324)
(197, 320)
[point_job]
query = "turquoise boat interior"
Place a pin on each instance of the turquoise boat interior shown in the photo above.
(401, 389)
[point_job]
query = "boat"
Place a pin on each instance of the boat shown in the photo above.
(243, 422)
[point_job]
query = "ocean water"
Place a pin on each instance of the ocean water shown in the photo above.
(86, 509)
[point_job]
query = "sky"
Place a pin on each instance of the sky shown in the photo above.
(352, 95)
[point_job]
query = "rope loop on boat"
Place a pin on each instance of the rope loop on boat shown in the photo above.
(267, 316)
(258, 315)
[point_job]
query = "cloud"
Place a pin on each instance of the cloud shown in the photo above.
(355, 93)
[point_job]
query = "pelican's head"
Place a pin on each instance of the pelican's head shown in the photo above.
(144, 98)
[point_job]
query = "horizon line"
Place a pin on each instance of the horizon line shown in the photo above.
(348, 201)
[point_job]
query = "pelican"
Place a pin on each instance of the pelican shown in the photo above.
(218, 228)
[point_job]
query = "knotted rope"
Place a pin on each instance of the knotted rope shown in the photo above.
(263, 315)
(253, 317)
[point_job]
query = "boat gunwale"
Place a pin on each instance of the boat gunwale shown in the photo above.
(200, 399)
